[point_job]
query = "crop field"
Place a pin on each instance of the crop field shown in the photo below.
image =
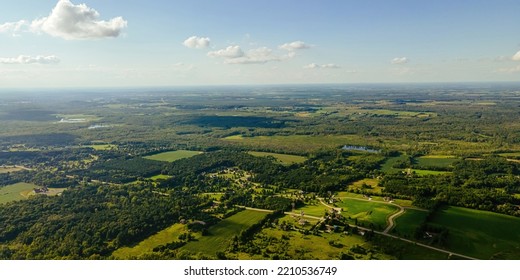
(436, 161)
(219, 235)
(408, 222)
(173, 155)
(481, 234)
(15, 192)
(422, 172)
(163, 237)
(367, 212)
(283, 158)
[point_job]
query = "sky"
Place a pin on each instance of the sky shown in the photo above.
(132, 43)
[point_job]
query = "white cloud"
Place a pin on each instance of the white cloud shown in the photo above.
(296, 45)
(195, 42)
(229, 52)
(255, 56)
(76, 22)
(13, 27)
(516, 56)
(26, 59)
(323, 66)
(400, 60)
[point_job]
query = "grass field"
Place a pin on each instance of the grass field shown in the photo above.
(173, 155)
(367, 212)
(421, 172)
(160, 177)
(402, 202)
(387, 165)
(102, 147)
(7, 169)
(314, 209)
(370, 182)
(436, 161)
(15, 192)
(480, 234)
(163, 237)
(220, 235)
(408, 222)
(282, 158)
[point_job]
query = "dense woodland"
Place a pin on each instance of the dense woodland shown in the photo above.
(111, 199)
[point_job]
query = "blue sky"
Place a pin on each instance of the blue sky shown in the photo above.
(116, 43)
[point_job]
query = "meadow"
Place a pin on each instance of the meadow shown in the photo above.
(408, 222)
(220, 235)
(168, 235)
(366, 212)
(173, 155)
(481, 234)
(15, 192)
(282, 158)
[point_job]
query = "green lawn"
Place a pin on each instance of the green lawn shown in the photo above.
(15, 192)
(283, 158)
(367, 212)
(408, 222)
(480, 234)
(220, 235)
(173, 155)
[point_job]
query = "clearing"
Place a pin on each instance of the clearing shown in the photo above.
(282, 158)
(172, 156)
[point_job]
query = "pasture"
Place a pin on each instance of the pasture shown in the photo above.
(160, 177)
(220, 235)
(443, 161)
(15, 192)
(372, 183)
(173, 155)
(408, 222)
(366, 212)
(282, 158)
(163, 237)
(9, 169)
(481, 234)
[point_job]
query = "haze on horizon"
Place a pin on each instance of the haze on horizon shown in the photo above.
(95, 43)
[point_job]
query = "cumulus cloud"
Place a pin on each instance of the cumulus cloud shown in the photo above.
(195, 42)
(296, 45)
(77, 22)
(255, 56)
(229, 52)
(400, 60)
(516, 56)
(13, 27)
(26, 59)
(323, 66)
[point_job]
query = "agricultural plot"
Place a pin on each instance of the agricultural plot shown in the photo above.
(366, 212)
(481, 234)
(173, 155)
(8, 169)
(103, 147)
(220, 235)
(163, 237)
(440, 161)
(15, 192)
(313, 209)
(408, 222)
(160, 177)
(282, 158)
(372, 184)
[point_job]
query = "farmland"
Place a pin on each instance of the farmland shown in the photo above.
(173, 155)
(160, 174)
(15, 192)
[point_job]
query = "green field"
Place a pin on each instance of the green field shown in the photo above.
(313, 209)
(421, 172)
(160, 177)
(282, 158)
(15, 192)
(374, 183)
(387, 166)
(219, 235)
(102, 147)
(173, 155)
(480, 234)
(163, 237)
(408, 222)
(436, 161)
(367, 212)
